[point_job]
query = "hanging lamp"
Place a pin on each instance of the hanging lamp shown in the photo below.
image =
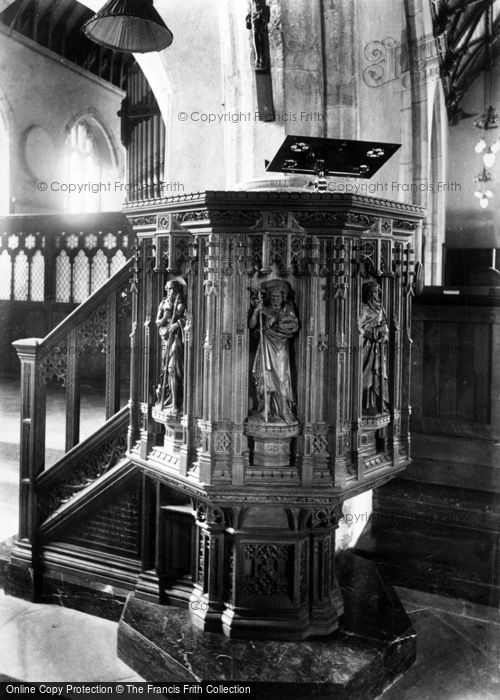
(132, 26)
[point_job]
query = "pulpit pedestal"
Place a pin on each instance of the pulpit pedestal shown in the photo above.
(375, 644)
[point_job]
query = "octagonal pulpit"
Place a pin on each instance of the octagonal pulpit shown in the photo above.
(270, 382)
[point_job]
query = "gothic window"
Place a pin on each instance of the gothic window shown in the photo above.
(5, 275)
(99, 270)
(37, 277)
(118, 260)
(89, 164)
(81, 275)
(21, 277)
(63, 277)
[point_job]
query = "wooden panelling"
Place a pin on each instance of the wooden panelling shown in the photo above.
(453, 358)
(437, 528)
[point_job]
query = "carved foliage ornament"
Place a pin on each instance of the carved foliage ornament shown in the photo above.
(211, 515)
(319, 444)
(223, 441)
(55, 366)
(238, 217)
(266, 569)
(144, 220)
(324, 517)
(93, 333)
(84, 473)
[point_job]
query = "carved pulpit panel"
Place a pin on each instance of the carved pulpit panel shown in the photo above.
(274, 389)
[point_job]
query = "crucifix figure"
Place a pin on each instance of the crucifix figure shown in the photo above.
(257, 20)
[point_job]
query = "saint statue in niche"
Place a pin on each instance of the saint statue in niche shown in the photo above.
(171, 321)
(257, 20)
(275, 317)
(375, 332)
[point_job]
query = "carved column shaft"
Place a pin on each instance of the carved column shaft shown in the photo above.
(406, 359)
(187, 448)
(113, 355)
(342, 296)
(146, 422)
(208, 595)
(326, 601)
(239, 354)
(73, 391)
(135, 363)
(396, 321)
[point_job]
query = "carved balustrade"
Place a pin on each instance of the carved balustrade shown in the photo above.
(96, 327)
(48, 264)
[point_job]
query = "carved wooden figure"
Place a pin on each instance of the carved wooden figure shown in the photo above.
(375, 332)
(276, 319)
(171, 320)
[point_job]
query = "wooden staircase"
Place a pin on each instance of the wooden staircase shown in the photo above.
(81, 514)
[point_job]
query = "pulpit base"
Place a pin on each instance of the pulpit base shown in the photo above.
(375, 644)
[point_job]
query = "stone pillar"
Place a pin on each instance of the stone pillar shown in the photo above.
(314, 75)
(340, 68)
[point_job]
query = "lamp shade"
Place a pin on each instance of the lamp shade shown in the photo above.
(132, 26)
(489, 158)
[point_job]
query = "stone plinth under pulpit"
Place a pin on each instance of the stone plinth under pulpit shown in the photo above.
(276, 388)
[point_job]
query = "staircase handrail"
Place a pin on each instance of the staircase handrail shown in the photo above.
(97, 324)
(82, 465)
(83, 310)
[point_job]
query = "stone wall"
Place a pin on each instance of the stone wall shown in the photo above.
(41, 97)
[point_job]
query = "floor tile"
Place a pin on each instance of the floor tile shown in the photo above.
(448, 666)
(50, 643)
(484, 637)
(11, 607)
(421, 600)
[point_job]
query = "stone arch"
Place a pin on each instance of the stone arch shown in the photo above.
(6, 149)
(89, 158)
(107, 145)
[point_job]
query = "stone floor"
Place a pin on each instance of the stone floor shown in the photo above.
(458, 643)
(458, 656)
(51, 643)
(458, 650)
